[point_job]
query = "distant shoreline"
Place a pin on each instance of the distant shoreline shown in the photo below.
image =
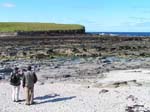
(127, 34)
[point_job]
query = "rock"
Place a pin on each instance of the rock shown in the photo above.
(75, 50)
(87, 87)
(132, 98)
(66, 76)
(103, 91)
(50, 51)
(134, 82)
(57, 66)
(40, 56)
(1, 78)
(106, 61)
(69, 52)
(41, 83)
(118, 84)
(6, 70)
(84, 49)
(137, 108)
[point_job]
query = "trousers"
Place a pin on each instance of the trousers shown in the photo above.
(15, 93)
(29, 95)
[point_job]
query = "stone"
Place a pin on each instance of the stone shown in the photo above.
(66, 76)
(103, 91)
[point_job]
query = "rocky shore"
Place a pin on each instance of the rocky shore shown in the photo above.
(74, 68)
(84, 73)
(83, 45)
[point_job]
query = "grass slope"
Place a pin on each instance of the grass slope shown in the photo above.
(20, 26)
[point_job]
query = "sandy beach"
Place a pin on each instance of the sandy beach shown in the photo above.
(118, 91)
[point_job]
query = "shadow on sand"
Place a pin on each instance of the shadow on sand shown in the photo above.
(47, 98)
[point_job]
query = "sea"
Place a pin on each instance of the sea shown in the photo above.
(128, 34)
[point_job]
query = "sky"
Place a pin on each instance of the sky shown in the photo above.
(95, 15)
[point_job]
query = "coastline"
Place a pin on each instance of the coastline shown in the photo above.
(115, 80)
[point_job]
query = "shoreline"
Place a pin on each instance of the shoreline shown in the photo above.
(75, 68)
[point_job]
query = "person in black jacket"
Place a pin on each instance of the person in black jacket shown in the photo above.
(15, 82)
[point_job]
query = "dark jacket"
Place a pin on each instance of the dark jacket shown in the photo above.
(15, 79)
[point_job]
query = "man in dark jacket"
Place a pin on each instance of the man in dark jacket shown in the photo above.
(15, 82)
(29, 79)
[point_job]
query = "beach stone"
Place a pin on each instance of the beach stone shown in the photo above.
(66, 76)
(87, 86)
(41, 83)
(132, 98)
(118, 84)
(103, 91)
(50, 51)
(6, 70)
(41, 56)
(137, 108)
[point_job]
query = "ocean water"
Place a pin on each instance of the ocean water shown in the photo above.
(128, 34)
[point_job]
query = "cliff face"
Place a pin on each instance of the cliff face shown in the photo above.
(42, 33)
(51, 33)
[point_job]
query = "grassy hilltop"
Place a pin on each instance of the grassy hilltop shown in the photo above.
(21, 26)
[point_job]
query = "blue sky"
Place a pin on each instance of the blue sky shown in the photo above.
(95, 15)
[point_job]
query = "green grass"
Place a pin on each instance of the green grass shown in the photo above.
(20, 26)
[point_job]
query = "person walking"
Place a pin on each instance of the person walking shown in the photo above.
(15, 82)
(29, 79)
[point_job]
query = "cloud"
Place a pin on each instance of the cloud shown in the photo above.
(8, 5)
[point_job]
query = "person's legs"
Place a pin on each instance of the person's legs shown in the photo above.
(27, 96)
(17, 93)
(13, 93)
(31, 95)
